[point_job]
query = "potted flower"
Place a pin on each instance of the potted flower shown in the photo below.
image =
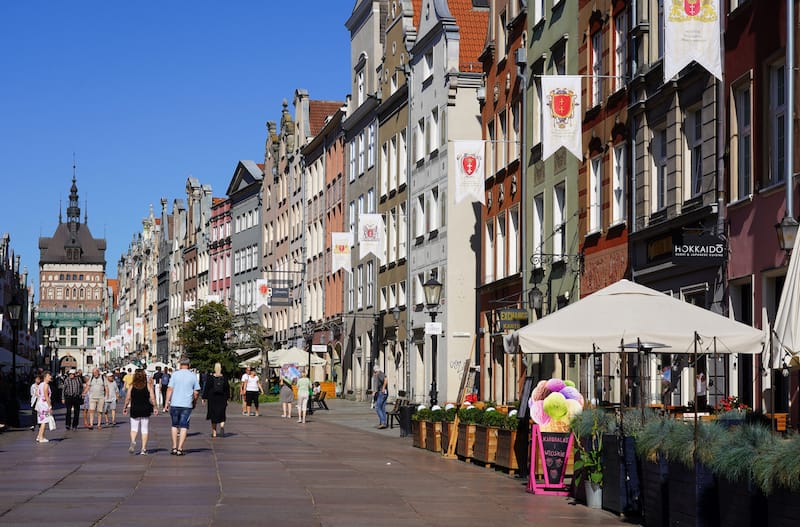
(510, 446)
(621, 489)
(433, 429)
(776, 469)
(589, 465)
(485, 449)
(654, 470)
(468, 417)
(418, 420)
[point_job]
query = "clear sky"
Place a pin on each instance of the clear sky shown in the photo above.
(146, 94)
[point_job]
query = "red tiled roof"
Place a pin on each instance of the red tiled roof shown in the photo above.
(217, 201)
(318, 111)
(473, 24)
(261, 166)
(417, 4)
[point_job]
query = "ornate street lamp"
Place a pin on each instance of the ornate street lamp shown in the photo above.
(433, 290)
(536, 299)
(787, 232)
(309, 339)
(14, 311)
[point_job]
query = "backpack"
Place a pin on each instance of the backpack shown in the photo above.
(165, 379)
(218, 386)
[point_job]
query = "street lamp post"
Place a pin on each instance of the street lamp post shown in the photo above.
(396, 317)
(309, 341)
(53, 354)
(14, 311)
(433, 290)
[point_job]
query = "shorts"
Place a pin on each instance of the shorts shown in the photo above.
(251, 398)
(110, 405)
(96, 405)
(180, 416)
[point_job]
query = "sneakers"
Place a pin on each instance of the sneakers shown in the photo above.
(381, 427)
(143, 453)
(132, 448)
(45, 440)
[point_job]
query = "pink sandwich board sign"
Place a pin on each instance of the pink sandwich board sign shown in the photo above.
(553, 450)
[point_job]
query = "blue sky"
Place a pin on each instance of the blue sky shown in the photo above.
(146, 94)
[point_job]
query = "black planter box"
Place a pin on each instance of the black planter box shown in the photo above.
(740, 503)
(655, 492)
(693, 496)
(621, 489)
(783, 509)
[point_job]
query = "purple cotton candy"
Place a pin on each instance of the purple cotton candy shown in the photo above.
(571, 393)
(555, 385)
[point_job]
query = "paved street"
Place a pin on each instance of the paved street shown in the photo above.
(336, 470)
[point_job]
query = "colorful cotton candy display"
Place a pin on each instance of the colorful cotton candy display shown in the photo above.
(554, 403)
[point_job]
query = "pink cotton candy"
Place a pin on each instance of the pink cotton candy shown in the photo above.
(540, 392)
(555, 385)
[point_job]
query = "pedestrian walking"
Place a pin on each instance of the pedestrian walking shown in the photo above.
(112, 395)
(164, 385)
(157, 385)
(35, 397)
(181, 398)
(43, 407)
(253, 389)
(380, 386)
(85, 402)
(71, 398)
(286, 397)
(242, 389)
(97, 389)
(303, 392)
(215, 395)
(140, 402)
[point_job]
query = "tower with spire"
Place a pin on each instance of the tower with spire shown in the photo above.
(72, 276)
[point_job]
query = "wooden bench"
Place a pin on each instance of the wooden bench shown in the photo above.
(394, 413)
(318, 401)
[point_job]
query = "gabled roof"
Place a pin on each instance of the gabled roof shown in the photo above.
(54, 250)
(473, 24)
(319, 111)
(246, 174)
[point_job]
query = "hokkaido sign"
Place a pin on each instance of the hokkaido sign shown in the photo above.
(707, 250)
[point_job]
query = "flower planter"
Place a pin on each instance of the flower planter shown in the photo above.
(655, 492)
(594, 495)
(741, 504)
(621, 490)
(693, 496)
(511, 448)
(433, 436)
(418, 432)
(783, 508)
(448, 431)
(485, 449)
(466, 441)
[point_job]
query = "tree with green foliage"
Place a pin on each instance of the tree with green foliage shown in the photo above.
(204, 338)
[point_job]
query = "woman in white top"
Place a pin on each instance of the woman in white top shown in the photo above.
(43, 407)
(242, 387)
(252, 390)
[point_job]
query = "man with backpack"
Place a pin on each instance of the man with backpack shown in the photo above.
(165, 376)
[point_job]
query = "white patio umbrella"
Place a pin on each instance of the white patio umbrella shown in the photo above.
(278, 358)
(786, 330)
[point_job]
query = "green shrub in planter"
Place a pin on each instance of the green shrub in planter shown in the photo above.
(437, 416)
(777, 465)
(653, 435)
(586, 421)
(511, 422)
(450, 414)
(423, 414)
(469, 415)
(494, 419)
(732, 456)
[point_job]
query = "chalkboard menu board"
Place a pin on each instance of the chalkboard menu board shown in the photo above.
(554, 451)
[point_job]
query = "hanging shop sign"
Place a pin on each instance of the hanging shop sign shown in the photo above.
(511, 318)
(701, 250)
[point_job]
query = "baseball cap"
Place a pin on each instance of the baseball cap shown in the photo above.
(73, 371)
(376, 368)
(109, 374)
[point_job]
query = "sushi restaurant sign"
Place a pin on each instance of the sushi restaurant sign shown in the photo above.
(703, 250)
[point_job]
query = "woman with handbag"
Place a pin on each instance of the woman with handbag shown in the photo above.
(141, 401)
(43, 408)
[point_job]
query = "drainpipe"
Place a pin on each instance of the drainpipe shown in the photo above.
(790, 106)
(409, 74)
(721, 195)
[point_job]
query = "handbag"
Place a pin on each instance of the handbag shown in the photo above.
(51, 423)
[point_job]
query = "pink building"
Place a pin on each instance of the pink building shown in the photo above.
(220, 251)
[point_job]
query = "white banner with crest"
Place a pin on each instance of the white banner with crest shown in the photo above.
(561, 114)
(371, 236)
(341, 243)
(692, 32)
(470, 174)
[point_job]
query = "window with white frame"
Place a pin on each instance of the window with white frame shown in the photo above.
(693, 131)
(777, 123)
(502, 35)
(352, 161)
(491, 146)
(361, 205)
(361, 153)
(595, 193)
(352, 218)
(392, 300)
(427, 65)
(743, 157)
(419, 216)
(433, 131)
(385, 169)
(443, 126)
(402, 159)
(559, 219)
(620, 50)
(500, 244)
(370, 282)
(402, 231)
(660, 22)
(488, 253)
(350, 293)
(538, 225)
(371, 200)
(432, 210)
(538, 105)
(419, 140)
(393, 163)
(360, 89)
(371, 146)
(384, 300)
(391, 235)
(597, 67)
(513, 145)
(401, 293)
(502, 140)
(418, 292)
(538, 11)
(442, 208)
(618, 185)
(513, 241)
(659, 153)
(360, 287)
(393, 85)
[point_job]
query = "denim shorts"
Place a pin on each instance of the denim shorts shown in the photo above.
(180, 416)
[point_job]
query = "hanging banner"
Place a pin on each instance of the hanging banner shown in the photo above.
(341, 242)
(138, 326)
(692, 32)
(469, 170)
(561, 114)
(371, 236)
(263, 292)
(127, 333)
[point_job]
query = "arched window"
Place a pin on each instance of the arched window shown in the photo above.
(83, 293)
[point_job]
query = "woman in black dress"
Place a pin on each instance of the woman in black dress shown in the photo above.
(141, 402)
(215, 395)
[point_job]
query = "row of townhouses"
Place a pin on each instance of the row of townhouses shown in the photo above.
(358, 205)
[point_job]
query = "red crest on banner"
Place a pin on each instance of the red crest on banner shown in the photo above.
(263, 289)
(691, 7)
(469, 164)
(370, 232)
(562, 105)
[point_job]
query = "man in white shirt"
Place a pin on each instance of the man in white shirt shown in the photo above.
(243, 389)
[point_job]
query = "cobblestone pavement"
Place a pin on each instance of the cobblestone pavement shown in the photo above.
(335, 470)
